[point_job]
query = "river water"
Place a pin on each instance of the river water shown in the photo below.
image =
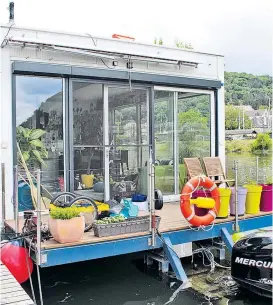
(121, 280)
(249, 168)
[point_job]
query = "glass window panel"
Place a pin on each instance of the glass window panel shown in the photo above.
(128, 172)
(89, 172)
(87, 114)
(164, 137)
(193, 128)
(39, 105)
(128, 138)
(88, 178)
(127, 116)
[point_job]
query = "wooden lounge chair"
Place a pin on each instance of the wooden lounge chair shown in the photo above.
(193, 167)
(214, 170)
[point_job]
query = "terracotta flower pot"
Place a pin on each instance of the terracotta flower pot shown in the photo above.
(67, 230)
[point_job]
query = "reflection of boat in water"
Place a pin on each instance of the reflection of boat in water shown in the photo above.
(252, 264)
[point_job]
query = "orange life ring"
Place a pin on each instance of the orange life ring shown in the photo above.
(185, 205)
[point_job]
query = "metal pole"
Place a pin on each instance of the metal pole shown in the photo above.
(236, 196)
(257, 169)
(268, 114)
(38, 217)
(152, 200)
(226, 166)
(243, 117)
(3, 179)
(15, 198)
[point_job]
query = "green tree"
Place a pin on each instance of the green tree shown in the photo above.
(159, 41)
(247, 89)
(261, 143)
(233, 117)
(183, 45)
(193, 118)
(193, 132)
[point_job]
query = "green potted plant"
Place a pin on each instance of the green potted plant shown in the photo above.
(31, 153)
(31, 146)
(66, 225)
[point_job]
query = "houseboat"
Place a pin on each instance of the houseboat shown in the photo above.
(109, 108)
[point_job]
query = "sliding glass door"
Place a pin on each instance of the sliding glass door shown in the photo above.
(110, 140)
(184, 128)
(164, 141)
(194, 128)
(87, 136)
(110, 137)
(128, 141)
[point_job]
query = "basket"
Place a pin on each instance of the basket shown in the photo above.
(133, 225)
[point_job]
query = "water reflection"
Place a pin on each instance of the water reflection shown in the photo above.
(247, 165)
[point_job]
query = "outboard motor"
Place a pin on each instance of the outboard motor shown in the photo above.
(251, 263)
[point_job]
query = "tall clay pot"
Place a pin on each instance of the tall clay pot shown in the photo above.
(67, 230)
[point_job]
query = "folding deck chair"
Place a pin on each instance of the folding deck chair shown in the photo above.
(193, 167)
(214, 170)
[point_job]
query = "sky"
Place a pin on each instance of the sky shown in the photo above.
(241, 30)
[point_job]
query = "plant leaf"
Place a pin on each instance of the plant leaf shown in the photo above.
(37, 143)
(26, 155)
(36, 134)
(20, 130)
(44, 154)
(36, 153)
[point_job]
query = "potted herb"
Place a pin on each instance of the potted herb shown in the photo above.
(66, 225)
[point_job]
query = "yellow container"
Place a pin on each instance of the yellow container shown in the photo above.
(203, 202)
(253, 198)
(87, 180)
(224, 202)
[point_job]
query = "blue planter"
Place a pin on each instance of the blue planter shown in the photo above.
(24, 197)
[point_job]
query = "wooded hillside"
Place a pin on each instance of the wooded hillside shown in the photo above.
(247, 89)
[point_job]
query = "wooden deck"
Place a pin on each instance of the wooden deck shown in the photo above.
(171, 220)
(11, 291)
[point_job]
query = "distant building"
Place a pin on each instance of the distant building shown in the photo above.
(240, 134)
(261, 118)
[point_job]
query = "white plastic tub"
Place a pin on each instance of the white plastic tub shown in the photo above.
(142, 206)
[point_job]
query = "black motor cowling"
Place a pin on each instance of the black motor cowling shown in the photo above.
(251, 262)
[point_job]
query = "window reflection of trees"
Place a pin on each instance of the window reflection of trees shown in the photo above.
(193, 126)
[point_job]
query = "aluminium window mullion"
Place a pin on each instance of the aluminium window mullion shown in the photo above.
(212, 125)
(66, 147)
(70, 143)
(106, 143)
(175, 143)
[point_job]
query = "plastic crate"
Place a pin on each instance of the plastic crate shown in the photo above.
(133, 225)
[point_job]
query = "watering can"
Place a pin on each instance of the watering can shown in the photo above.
(129, 210)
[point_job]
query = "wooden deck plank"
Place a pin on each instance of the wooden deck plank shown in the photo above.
(13, 299)
(171, 220)
(8, 295)
(27, 302)
(11, 291)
